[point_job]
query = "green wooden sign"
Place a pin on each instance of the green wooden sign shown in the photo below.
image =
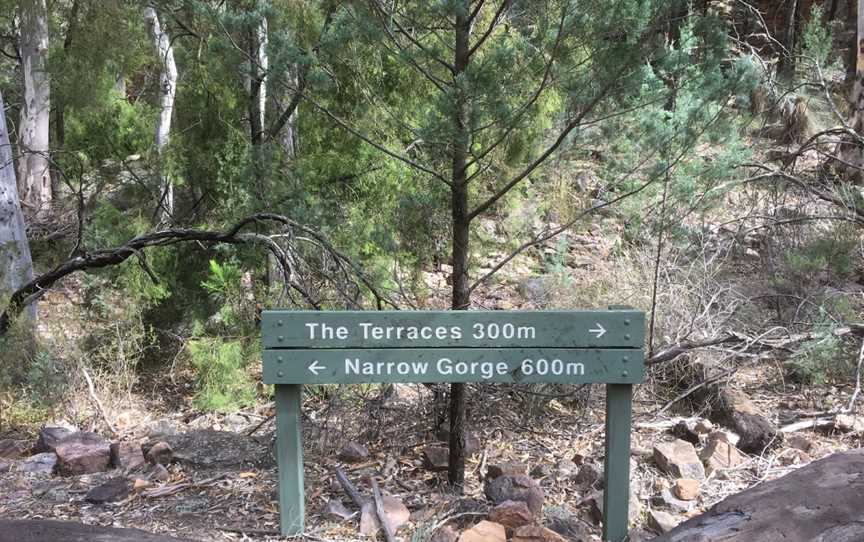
(314, 347)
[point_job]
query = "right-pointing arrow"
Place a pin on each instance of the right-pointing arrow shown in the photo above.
(599, 331)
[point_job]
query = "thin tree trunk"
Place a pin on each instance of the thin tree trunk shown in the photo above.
(34, 173)
(167, 92)
(849, 150)
(16, 266)
(786, 65)
(461, 228)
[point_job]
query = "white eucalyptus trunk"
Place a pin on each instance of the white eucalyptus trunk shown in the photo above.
(167, 92)
(34, 173)
(263, 65)
(16, 266)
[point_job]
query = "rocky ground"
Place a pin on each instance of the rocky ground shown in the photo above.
(532, 476)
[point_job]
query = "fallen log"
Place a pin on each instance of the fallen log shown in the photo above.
(38, 530)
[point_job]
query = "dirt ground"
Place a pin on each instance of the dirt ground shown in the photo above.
(224, 487)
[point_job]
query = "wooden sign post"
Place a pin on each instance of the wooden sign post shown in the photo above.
(352, 347)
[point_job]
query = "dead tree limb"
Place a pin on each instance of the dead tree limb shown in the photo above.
(107, 257)
(380, 512)
(356, 497)
(857, 390)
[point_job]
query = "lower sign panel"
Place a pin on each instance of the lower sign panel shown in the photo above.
(513, 365)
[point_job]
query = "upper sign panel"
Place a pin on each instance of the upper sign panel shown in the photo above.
(452, 329)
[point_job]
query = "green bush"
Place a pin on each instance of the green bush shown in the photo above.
(222, 383)
(819, 361)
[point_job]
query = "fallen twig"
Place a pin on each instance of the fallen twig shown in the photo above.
(99, 408)
(352, 492)
(164, 491)
(380, 512)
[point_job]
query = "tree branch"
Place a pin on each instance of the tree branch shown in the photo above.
(113, 256)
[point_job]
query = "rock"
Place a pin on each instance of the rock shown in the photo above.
(165, 428)
(595, 503)
(511, 514)
(126, 455)
(793, 456)
(661, 522)
(485, 531)
(679, 459)
(44, 463)
(515, 488)
(82, 453)
(819, 502)
(736, 411)
(846, 423)
(668, 500)
(353, 452)
(160, 453)
(13, 449)
(396, 514)
(40, 530)
(685, 431)
(567, 468)
(336, 511)
(719, 454)
(50, 436)
(444, 534)
(436, 458)
(5, 466)
(158, 473)
(799, 442)
(686, 489)
(505, 469)
(219, 450)
(115, 489)
(566, 523)
(589, 475)
(536, 533)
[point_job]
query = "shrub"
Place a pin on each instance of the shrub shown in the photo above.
(222, 383)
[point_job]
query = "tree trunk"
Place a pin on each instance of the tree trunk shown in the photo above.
(16, 267)
(849, 150)
(33, 132)
(258, 61)
(786, 65)
(461, 228)
(167, 92)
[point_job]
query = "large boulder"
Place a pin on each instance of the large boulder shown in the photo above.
(82, 453)
(209, 449)
(40, 530)
(819, 502)
(50, 436)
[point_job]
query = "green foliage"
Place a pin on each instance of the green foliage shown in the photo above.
(828, 257)
(222, 383)
(820, 360)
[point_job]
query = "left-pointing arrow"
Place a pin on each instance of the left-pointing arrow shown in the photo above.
(315, 368)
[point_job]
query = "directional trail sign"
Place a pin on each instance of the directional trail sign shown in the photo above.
(349, 347)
